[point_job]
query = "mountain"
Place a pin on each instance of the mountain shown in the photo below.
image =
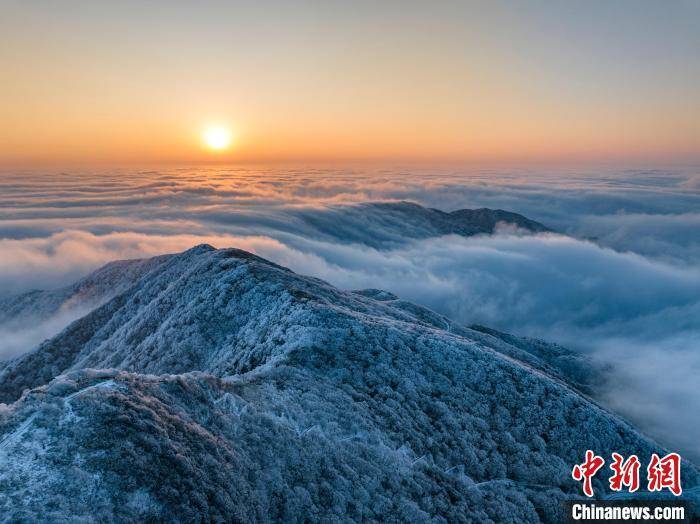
(219, 386)
(96, 288)
(31, 317)
(383, 224)
(580, 372)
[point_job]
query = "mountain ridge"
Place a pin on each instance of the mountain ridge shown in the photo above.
(386, 224)
(72, 348)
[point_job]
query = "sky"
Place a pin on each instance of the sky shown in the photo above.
(136, 83)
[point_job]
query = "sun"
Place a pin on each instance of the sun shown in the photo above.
(217, 138)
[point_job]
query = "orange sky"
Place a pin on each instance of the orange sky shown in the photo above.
(133, 84)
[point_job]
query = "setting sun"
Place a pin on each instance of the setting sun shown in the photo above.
(217, 138)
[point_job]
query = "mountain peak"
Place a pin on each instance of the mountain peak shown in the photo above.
(200, 248)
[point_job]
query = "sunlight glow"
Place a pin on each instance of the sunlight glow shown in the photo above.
(217, 137)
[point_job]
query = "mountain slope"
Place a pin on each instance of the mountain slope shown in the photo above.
(110, 280)
(246, 392)
(36, 315)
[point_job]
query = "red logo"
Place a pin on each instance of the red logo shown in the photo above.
(665, 473)
(624, 473)
(661, 473)
(587, 470)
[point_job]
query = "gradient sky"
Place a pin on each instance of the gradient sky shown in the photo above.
(135, 82)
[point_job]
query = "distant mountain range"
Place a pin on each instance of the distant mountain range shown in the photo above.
(381, 224)
(214, 385)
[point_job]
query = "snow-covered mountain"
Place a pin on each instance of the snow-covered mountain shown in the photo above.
(96, 288)
(31, 317)
(218, 386)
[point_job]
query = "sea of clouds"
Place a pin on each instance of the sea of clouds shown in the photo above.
(619, 280)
